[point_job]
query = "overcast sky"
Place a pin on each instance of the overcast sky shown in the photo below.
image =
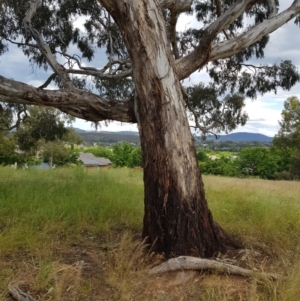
(264, 112)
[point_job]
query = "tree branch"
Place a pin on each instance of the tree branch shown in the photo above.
(173, 23)
(179, 6)
(21, 117)
(272, 8)
(48, 81)
(42, 45)
(123, 70)
(234, 46)
(99, 74)
(21, 44)
(78, 103)
(219, 13)
(200, 56)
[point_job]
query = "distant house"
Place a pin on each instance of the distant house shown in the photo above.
(91, 161)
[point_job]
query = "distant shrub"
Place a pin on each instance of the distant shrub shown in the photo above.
(283, 175)
(100, 151)
(201, 155)
(222, 166)
(135, 159)
(125, 154)
(122, 154)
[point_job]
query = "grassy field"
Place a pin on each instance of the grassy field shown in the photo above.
(72, 234)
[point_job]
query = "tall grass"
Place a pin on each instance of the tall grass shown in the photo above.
(52, 221)
(36, 204)
(258, 211)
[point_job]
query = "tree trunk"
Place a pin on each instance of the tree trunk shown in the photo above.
(177, 220)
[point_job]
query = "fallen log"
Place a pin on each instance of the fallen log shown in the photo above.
(195, 263)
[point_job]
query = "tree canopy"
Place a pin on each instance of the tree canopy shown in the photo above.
(50, 38)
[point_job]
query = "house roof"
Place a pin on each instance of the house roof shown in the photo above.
(89, 159)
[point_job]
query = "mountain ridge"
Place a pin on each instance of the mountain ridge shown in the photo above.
(243, 137)
(133, 137)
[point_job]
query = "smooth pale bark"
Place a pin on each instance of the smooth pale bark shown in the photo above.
(176, 5)
(236, 45)
(208, 51)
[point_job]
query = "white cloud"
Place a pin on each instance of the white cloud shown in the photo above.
(263, 117)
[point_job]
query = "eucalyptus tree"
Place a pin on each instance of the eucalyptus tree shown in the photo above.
(289, 132)
(142, 83)
(288, 136)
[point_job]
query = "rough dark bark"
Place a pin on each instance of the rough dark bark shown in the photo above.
(78, 103)
(177, 220)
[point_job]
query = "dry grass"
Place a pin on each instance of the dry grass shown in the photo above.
(126, 268)
(261, 212)
(72, 235)
(47, 279)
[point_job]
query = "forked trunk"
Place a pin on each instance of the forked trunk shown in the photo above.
(177, 220)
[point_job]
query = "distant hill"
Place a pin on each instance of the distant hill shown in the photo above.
(133, 137)
(106, 137)
(243, 137)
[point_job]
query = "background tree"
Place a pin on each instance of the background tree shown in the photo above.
(124, 154)
(11, 115)
(288, 136)
(201, 155)
(58, 153)
(259, 161)
(223, 166)
(142, 46)
(44, 131)
(7, 150)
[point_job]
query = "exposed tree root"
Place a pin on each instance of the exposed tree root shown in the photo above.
(17, 294)
(195, 263)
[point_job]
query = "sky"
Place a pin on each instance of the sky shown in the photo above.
(264, 112)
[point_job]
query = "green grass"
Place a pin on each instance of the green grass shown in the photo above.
(258, 211)
(51, 220)
(36, 204)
